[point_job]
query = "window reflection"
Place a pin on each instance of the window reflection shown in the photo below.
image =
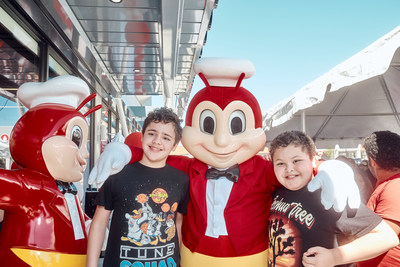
(17, 63)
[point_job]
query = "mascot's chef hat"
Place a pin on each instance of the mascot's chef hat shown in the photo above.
(224, 72)
(51, 105)
(222, 77)
(67, 90)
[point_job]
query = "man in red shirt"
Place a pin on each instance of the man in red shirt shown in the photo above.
(383, 151)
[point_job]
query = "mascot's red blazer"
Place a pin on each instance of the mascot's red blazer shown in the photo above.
(246, 212)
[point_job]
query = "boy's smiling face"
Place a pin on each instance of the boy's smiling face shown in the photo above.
(293, 167)
(158, 141)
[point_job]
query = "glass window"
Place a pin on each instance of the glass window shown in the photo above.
(18, 64)
(55, 69)
(18, 56)
(18, 32)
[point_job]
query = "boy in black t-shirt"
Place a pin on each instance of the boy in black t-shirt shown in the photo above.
(301, 231)
(148, 199)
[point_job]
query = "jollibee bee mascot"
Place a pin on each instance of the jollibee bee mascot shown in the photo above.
(230, 186)
(44, 224)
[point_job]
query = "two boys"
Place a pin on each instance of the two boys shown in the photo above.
(300, 229)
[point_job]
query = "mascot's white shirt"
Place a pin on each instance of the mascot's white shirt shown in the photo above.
(217, 195)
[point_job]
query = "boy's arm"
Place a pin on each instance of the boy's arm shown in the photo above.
(96, 235)
(179, 219)
(382, 237)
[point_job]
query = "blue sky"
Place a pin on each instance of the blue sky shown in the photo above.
(292, 42)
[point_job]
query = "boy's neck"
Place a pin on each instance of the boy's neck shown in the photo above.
(150, 164)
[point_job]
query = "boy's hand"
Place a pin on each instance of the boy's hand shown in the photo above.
(113, 159)
(318, 257)
(336, 179)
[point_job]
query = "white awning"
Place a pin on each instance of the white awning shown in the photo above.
(357, 97)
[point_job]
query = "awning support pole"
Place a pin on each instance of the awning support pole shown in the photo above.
(122, 117)
(303, 121)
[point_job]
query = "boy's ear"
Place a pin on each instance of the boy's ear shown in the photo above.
(372, 162)
(315, 162)
(175, 146)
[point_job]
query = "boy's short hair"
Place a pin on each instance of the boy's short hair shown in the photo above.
(296, 138)
(164, 115)
(384, 148)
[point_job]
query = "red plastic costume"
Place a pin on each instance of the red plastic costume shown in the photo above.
(37, 228)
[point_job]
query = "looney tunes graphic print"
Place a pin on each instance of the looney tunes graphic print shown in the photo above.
(145, 202)
(298, 221)
(148, 227)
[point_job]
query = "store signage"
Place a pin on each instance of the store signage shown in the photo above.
(4, 138)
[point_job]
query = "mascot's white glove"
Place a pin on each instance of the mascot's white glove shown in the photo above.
(336, 179)
(113, 159)
(118, 138)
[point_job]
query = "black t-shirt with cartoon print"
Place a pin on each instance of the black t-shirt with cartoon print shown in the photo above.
(298, 221)
(145, 202)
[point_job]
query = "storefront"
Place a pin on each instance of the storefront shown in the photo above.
(38, 42)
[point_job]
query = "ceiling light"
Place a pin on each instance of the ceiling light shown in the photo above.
(116, 1)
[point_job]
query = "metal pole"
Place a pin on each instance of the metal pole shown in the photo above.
(303, 120)
(122, 117)
(43, 62)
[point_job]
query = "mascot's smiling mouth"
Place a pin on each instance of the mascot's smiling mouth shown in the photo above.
(222, 155)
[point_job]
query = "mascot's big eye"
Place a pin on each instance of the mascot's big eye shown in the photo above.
(207, 121)
(237, 122)
(76, 135)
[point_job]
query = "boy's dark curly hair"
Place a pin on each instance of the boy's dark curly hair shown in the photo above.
(296, 138)
(384, 148)
(164, 115)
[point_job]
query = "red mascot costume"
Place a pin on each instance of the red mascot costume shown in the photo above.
(44, 224)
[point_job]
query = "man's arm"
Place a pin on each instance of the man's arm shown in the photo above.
(96, 235)
(379, 240)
